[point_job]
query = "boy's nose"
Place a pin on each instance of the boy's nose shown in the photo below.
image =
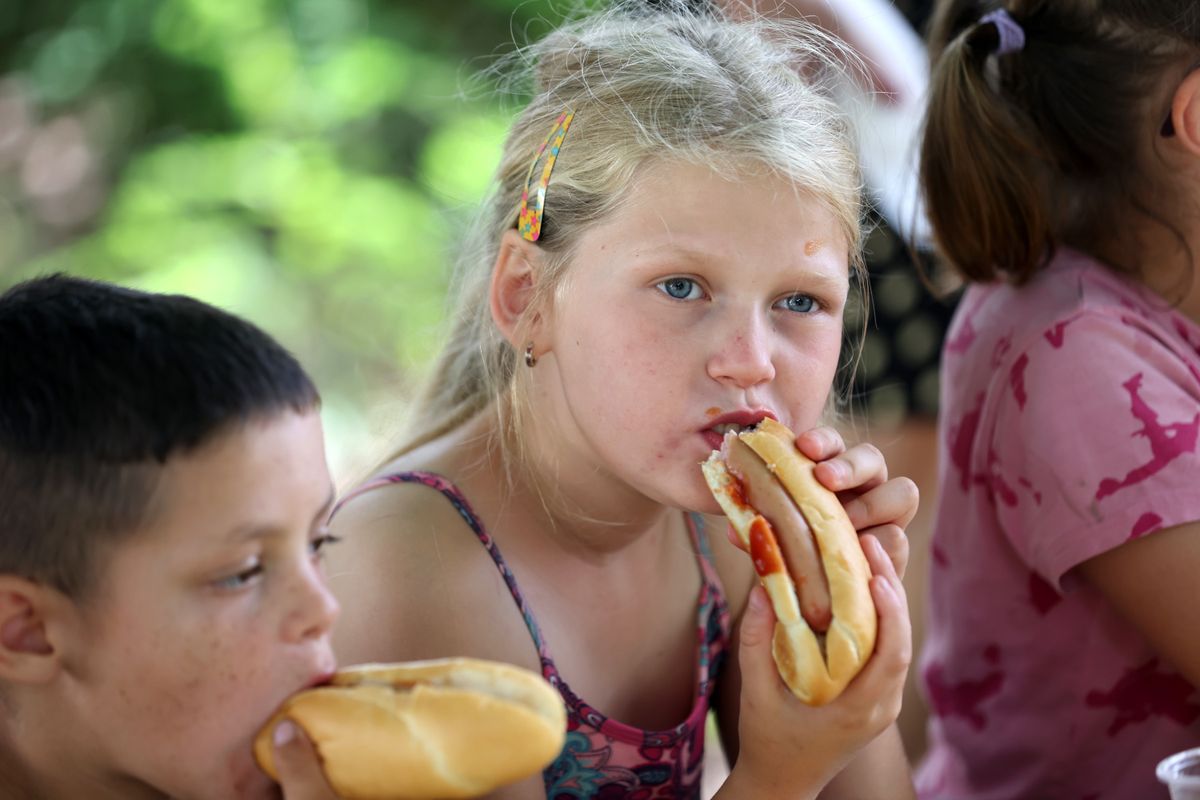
(315, 609)
(743, 354)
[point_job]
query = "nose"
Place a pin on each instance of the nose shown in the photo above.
(314, 608)
(743, 356)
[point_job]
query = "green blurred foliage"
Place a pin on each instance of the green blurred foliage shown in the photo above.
(305, 163)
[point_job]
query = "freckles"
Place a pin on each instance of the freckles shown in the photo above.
(812, 246)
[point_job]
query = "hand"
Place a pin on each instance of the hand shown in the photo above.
(298, 765)
(876, 506)
(788, 749)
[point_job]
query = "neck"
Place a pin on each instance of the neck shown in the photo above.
(16, 779)
(1166, 260)
(1173, 273)
(576, 506)
(1166, 247)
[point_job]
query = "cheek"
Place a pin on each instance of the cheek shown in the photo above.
(210, 680)
(806, 377)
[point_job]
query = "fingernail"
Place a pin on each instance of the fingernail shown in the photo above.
(876, 545)
(285, 732)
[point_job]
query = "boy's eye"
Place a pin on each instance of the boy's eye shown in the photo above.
(799, 303)
(323, 540)
(241, 578)
(680, 288)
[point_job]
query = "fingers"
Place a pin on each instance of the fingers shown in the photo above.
(754, 650)
(298, 765)
(894, 542)
(883, 677)
(820, 444)
(891, 502)
(861, 467)
(734, 539)
(758, 621)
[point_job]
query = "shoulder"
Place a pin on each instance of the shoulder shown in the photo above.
(414, 581)
(996, 323)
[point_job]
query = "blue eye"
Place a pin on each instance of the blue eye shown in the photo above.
(242, 578)
(680, 288)
(799, 303)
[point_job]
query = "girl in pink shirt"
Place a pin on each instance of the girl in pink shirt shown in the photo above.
(1061, 165)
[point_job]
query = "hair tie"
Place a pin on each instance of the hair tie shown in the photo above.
(1011, 34)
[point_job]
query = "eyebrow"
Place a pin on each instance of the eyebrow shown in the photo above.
(252, 531)
(656, 256)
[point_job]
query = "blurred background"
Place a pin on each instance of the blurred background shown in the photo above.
(305, 163)
(308, 164)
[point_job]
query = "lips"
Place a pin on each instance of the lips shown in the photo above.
(738, 420)
(320, 679)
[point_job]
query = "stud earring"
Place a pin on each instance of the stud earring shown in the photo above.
(530, 358)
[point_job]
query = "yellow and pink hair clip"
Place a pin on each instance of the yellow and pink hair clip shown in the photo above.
(529, 220)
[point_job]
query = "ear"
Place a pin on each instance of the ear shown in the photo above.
(515, 275)
(1185, 112)
(28, 612)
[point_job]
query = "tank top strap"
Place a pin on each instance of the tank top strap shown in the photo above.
(704, 553)
(463, 507)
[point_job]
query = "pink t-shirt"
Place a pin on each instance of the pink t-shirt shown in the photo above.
(1070, 413)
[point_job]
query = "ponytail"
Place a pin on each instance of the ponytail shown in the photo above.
(984, 200)
(1032, 147)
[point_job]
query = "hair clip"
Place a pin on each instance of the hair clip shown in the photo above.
(529, 220)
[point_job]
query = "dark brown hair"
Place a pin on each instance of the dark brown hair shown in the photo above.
(1041, 147)
(100, 386)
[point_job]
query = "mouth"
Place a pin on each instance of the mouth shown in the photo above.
(734, 422)
(322, 678)
(727, 427)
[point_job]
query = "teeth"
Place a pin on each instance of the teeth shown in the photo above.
(726, 427)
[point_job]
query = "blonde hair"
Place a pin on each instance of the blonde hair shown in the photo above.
(666, 85)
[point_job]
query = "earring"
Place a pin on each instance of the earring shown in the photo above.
(530, 358)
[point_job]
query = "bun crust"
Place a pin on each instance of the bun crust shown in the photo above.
(449, 728)
(816, 667)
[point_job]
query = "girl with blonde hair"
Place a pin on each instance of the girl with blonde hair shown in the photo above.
(667, 254)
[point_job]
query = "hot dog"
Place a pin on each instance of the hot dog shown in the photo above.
(450, 728)
(825, 630)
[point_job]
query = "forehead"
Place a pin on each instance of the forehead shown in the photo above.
(264, 472)
(685, 208)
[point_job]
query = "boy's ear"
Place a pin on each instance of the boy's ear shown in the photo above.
(514, 279)
(28, 612)
(1185, 112)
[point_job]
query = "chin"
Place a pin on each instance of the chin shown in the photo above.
(708, 505)
(248, 782)
(695, 497)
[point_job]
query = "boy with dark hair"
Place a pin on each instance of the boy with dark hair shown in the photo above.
(163, 498)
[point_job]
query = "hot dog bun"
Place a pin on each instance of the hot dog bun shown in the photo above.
(450, 728)
(815, 666)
